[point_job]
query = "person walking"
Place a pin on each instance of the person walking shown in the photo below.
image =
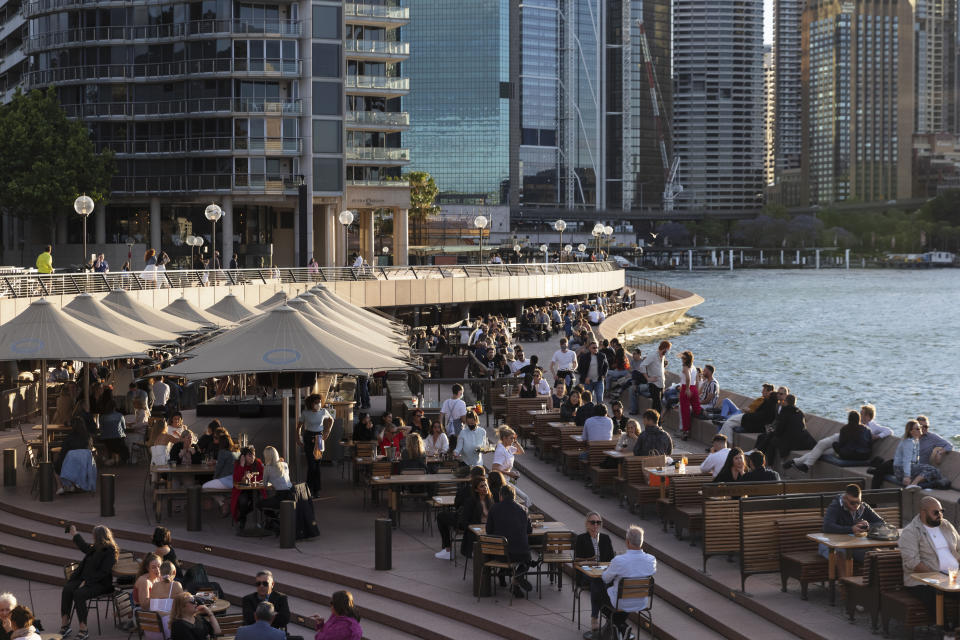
(653, 369)
(45, 260)
(689, 394)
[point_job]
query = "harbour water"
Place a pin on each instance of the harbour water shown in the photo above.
(837, 338)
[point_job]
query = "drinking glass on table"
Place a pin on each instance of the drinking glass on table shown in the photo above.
(952, 574)
(543, 407)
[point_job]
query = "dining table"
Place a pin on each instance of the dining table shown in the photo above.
(836, 542)
(668, 471)
(481, 587)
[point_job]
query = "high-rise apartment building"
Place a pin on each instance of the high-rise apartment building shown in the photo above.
(769, 116)
(787, 16)
(858, 99)
(935, 48)
(283, 113)
(539, 104)
(718, 103)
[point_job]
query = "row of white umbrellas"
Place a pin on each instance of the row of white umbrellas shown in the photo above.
(315, 332)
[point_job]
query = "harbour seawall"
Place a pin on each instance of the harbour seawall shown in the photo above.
(658, 314)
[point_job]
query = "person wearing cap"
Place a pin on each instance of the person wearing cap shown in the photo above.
(314, 428)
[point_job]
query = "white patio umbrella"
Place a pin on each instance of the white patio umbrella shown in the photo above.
(369, 340)
(123, 303)
(230, 308)
(332, 298)
(181, 308)
(86, 308)
(280, 297)
(281, 341)
(328, 309)
(44, 332)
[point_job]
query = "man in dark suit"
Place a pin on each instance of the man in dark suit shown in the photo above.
(593, 546)
(510, 520)
(265, 593)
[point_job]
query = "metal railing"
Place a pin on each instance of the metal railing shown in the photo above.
(184, 107)
(378, 183)
(212, 66)
(377, 118)
(650, 286)
(361, 10)
(35, 285)
(378, 153)
(378, 47)
(209, 182)
(379, 83)
(206, 143)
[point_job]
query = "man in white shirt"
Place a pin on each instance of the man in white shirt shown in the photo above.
(599, 427)
(596, 316)
(928, 544)
(867, 414)
(161, 393)
(471, 440)
(653, 369)
(519, 361)
(452, 412)
(358, 262)
(718, 456)
(709, 389)
(634, 563)
(563, 363)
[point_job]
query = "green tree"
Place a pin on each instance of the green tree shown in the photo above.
(423, 193)
(47, 160)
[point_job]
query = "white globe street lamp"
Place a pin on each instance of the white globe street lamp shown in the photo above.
(567, 249)
(598, 230)
(84, 206)
(346, 219)
(608, 231)
(189, 240)
(560, 226)
(213, 213)
(480, 222)
(545, 250)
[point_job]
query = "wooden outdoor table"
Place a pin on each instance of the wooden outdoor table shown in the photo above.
(548, 527)
(577, 438)
(618, 455)
(253, 528)
(559, 425)
(443, 501)
(396, 482)
(844, 541)
(52, 427)
(592, 569)
(126, 568)
(941, 584)
(182, 469)
(667, 472)
(482, 588)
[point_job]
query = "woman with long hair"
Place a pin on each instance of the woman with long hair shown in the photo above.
(344, 620)
(689, 394)
(227, 455)
(734, 468)
(247, 469)
(414, 455)
(190, 621)
(92, 577)
(276, 474)
(147, 576)
(475, 509)
(315, 425)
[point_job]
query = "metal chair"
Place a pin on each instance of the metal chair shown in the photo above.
(94, 603)
(494, 550)
(149, 622)
(557, 551)
(628, 589)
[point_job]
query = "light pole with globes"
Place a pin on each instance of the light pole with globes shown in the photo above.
(213, 213)
(84, 206)
(346, 219)
(596, 233)
(386, 251)
(516, 250)
(608, 232)
(480, 222)
(567, 249)
(581, 248)
(190, 244)
(560, 225)
(546, 253)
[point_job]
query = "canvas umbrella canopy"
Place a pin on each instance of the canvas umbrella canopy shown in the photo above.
(280, 341)
(375, 323)
(390, 340)
(230, 308)
(334, 311)
(280, 297)
(332, 298)
(373, 342)
(86, 308)
(44, 332)
(123, 303)
(181, 308)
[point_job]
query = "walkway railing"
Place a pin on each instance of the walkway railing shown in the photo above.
(650, 286)
(27, 285)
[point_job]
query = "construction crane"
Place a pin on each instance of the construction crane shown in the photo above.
(672, 187)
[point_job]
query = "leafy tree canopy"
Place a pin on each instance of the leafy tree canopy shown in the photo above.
(47, 160)
(423, 193)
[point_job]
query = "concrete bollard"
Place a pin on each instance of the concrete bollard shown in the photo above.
(46, 481)
(288, 524)
(9, 467)
(383, 556)
(108, 493)
(194, 502)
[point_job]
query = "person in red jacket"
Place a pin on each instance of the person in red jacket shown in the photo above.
(241, 501)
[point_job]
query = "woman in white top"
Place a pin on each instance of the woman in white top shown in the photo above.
(503, 456)
(437, 443)
(541, 385)
(276, 474)
(628, 438)
(315, 425)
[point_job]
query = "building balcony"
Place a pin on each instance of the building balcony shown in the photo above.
(379, 183)
(268, 184)
(375, 15)
(377, 155)
(193, 107)
(377, 50)
(159, 32)
(377, 121)
(212, 145)
(215, 67)
(377, 86)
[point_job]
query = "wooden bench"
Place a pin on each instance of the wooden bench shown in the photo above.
(799, 556)
(595, 458)
(166, 495)
(561, 440)
(882, 571)
(721, 517)
(632, 482)
(686, 504)
(517, 408)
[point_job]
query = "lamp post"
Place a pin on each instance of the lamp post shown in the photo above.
(213, 213)
(84, 206)
(480, 222)
(608, 231)
(190, 239)
(560, 225)
(546, 253)
(581, 248)
(385, 250)
(596, 233)
(346, 219)
(516, 250)
(567, 249)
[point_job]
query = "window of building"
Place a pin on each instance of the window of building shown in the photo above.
(326, 99)
(326, 60)
(327, 174)
(327, 136)
(326, 22)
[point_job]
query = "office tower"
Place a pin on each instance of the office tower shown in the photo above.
(718, 103)
(936, 65)
(787, 16)
(858, 102)
(635, 170)
(769, 117)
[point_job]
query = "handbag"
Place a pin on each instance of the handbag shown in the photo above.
(883, 531)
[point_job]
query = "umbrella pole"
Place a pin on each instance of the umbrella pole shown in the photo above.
(43, 410)
(285, 421)
(86, 386)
